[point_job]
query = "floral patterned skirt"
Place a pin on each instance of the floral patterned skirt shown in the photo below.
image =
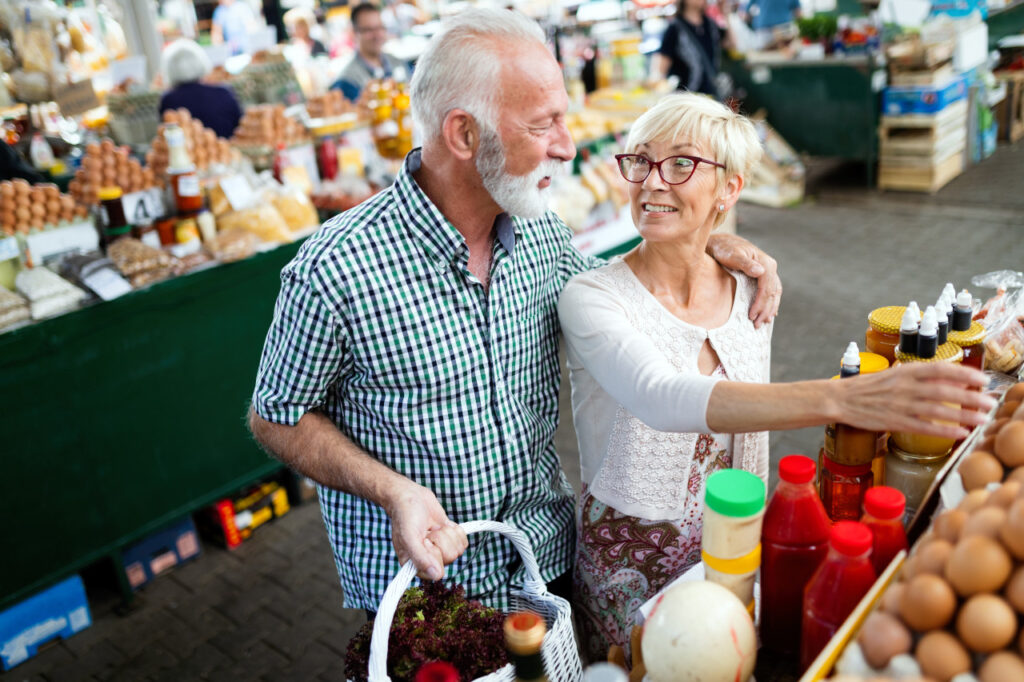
(622, 561)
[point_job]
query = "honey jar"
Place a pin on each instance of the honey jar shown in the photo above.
(915, 443)
(970, 342)
(883, 332)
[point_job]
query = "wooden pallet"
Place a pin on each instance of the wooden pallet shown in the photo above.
(909, 177)
(1009, 113)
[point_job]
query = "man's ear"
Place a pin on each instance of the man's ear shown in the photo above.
(461, 134)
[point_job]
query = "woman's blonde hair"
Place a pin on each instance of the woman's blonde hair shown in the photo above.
(721, 134)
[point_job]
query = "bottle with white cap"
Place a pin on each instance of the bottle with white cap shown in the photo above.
(942, 318)
(908, 330)
(928, 334)
(851, 361)
(962, 312)
(949, 291)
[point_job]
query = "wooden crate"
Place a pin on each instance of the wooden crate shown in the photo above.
(919, 175)
(1009, 113)
(920, 137)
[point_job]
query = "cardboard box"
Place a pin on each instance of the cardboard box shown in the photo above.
(923, 99)
(160, 552)
(233, 520)
(57, 612)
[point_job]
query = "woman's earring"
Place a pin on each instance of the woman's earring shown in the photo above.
(721, 207)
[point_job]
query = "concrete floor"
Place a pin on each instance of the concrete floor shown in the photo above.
(272, 609)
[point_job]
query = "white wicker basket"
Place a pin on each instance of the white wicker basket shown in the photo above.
(561, 658)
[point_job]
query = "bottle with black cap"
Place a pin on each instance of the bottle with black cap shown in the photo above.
(941, 319)
(928, 334)
(908, 330)
(962, 312)
(524, 634)
(850, 365)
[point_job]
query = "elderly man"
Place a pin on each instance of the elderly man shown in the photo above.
(368, 61)
(412, 368)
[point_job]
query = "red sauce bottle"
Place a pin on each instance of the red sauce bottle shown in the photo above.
(794, 541)
(883, 514)
(837, 586)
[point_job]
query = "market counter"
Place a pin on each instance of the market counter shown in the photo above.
(827, 107)
(121, 417)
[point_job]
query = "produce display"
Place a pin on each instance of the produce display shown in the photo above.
(266, 125)
(47, 293)
(139, 263)
(435, 623)
(332, 103)
(203, 145)
(955, 608)
(107, 165)
(25, 207)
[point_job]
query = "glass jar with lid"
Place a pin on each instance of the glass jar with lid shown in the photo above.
(912, 474)
(970, 342)
(883, 332)
(915, 443)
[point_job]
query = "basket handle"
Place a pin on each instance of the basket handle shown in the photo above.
(378, 665)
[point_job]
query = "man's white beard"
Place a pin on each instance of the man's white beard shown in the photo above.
(517, 195)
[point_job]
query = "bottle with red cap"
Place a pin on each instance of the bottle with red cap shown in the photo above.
(883, 514)
(437, 671)
(837, 586)
(794, 541)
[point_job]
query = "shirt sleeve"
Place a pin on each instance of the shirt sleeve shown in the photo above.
(626, 363)
(302, 356)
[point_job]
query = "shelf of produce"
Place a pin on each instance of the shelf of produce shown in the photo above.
(825, 108)
(120, 417)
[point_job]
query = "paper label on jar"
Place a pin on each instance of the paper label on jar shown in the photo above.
(188, 186)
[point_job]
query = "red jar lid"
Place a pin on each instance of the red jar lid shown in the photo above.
(884, 502)
(796, 469)
(851, 538)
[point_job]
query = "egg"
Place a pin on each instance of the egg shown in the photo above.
(988, 444)
(1014, 591)
(891, 599)
(1016, 392)
(977, 564)
(1002, 666)
(909, 568)
(928, 602)
(881, 637)
(1004, 495)
(941, 656)
(996, 426)
(986, 521)
(986, 623)
(979, 469)
(1017, 475)
(1018, 415)
(1012, 532)
(1010, 444)
(949, 524)
(973, 500)
(1007, 408)
(933, 555)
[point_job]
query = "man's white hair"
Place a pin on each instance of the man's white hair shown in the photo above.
(183, 61)
(461, 67)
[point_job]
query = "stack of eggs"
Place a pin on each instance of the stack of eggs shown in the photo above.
(333, 103)
(957, 605)
(266, 125)
(107, 165)
(25, 207)
(203, 145)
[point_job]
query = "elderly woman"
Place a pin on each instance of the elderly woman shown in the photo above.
(665, 364)
(184, 64)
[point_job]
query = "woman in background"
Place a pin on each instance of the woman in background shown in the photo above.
(691, 49)
(184, 64)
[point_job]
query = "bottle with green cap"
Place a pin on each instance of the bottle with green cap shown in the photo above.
(731, 543)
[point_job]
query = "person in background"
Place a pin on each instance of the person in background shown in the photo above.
(13, 166)
(766, 15)
(232, 21)
(691, 49)
(369, 61)
(299, 22)
(184, 64)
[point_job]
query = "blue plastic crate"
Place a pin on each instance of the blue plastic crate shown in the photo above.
(923, 99)
(160, 551)
(59, 611)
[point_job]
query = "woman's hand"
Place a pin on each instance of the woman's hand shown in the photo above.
(736, 253)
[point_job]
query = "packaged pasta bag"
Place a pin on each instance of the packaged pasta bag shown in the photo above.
(294, 206)
(263, 221)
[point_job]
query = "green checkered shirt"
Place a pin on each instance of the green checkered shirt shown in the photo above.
(381, 326)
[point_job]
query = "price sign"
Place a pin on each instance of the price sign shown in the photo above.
(107, 284)
(144, 206)
(238, 192)
(77, 98)
(80, 237)
(303, 156)
(133, 68)
(9, 248)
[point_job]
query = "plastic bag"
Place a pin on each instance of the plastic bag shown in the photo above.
(1001, 314)
(264, 221)
(233, 244)
(296, 208)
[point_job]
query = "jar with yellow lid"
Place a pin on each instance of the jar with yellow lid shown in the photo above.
(883, 332)
(970, 342)
(916, 443)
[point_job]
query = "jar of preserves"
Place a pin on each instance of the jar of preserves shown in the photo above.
(970, 342)
(916, 443)
(883, 332)
(115, 224)
(912, 474)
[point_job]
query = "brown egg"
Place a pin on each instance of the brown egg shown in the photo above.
(1018, 415)
(979, 469)
(973, 500)
(909, 568)
(949, 524)
(1007, 408)
(942, 656)
(988, 444)
(1002, 666)
(986, 623)
(996, 426)
(881, 637)
(1017, 475)
(928, 602)
(932, 556)
(1010, 444)
(977, 564)
(1004, 495)
(986, 521)
(1014, 591)
(1015, 392)
(1012, 532)
(891, 599)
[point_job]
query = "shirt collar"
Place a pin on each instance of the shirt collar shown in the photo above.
(439, 236)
